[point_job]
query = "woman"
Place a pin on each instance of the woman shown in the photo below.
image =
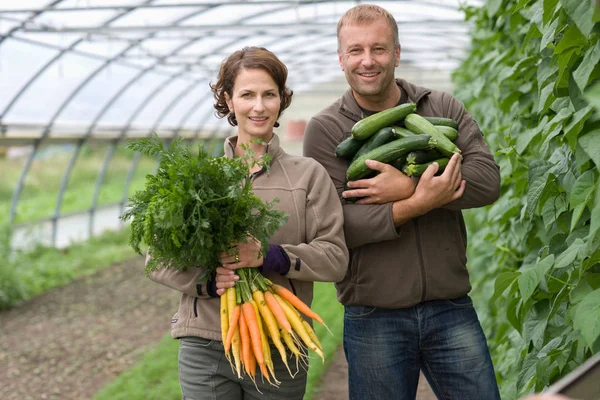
(251, 92)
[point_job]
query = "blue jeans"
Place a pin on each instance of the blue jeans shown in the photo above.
(386, 349)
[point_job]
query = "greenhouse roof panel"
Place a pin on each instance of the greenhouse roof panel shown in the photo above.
(149, 62)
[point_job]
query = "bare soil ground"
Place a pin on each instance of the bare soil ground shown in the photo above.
(68, 343)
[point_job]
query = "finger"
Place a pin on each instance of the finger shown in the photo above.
(376, 165)
(430, 171)
(361, 183)
(355, 193)
(459, 192)
(220, 292)
(456, 172)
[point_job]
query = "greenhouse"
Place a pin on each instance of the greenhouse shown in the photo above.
(81, 80)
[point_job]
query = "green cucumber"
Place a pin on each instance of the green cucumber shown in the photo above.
(422, 156)
(448, 131)
(367, 127)
(441, 121)
(418, 169)
(398, 163)
(381, 137)
(418, 124)
(388, 152)
(401, 132)
(348, 148)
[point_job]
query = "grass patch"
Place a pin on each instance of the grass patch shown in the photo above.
(40, 191)
(155, 376)
(26, 275)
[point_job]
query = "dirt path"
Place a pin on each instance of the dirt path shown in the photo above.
(66, 344)
(69, 342)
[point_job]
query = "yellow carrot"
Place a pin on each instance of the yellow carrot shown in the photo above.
(271, 323)
(298, 327)
(312, 334)
(224, 322)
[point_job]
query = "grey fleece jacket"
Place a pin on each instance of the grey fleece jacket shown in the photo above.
(312, 238)
(425, 258)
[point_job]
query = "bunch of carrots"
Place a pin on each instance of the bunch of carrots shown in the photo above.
(256, 310)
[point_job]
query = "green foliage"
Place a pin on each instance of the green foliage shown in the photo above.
(196, 206)
(530, 81)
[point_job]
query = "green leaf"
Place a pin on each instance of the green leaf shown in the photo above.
(581, 12)
(536, 187)
(546, 97)
(576, 124)
(503, 281)
(552, 210)
(546, 69)
(583, 188)
(592, 95)
(569, 255)
(595, 216)
(549, 10)
(492, 7)
(528, 281)
(587, 317)
(570, 40)
(549, 32)
(589, 62)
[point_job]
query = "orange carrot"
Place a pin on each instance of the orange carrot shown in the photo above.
(245, 343)
(278, 312)
(252, 324)
(233, 323)
(296, 302)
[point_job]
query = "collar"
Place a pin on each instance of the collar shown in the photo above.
(350, 108)
(273, 148)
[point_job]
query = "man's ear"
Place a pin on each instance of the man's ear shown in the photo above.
(398, 55)
(340, 59)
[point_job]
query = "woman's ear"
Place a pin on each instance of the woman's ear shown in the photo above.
(229, 102)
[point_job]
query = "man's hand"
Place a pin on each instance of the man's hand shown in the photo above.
(432, 191)
(436, 191)
(388, 186)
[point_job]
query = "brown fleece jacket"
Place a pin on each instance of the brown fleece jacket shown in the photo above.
(312, 238)
(424, 258)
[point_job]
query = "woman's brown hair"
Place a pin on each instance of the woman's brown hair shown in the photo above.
(249, 58)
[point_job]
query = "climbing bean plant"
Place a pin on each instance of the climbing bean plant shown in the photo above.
(531, 82)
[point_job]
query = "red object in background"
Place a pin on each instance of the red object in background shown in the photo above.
(295, 130)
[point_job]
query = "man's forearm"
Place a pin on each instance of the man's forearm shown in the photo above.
(407, 209)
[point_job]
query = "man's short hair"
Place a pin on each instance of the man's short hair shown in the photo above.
(367, 13)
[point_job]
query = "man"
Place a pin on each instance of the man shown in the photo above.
(405, 294)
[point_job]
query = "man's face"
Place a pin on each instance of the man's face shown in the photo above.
(368, 57)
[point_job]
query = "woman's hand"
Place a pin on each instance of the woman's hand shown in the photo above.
(242, 255)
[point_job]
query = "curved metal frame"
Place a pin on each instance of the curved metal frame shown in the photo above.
(301, 67)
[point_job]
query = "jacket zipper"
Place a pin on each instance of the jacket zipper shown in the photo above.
(421, 262)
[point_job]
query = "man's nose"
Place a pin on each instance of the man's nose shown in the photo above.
(367, 59)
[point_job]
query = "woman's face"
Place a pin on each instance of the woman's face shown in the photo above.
(255, 102)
